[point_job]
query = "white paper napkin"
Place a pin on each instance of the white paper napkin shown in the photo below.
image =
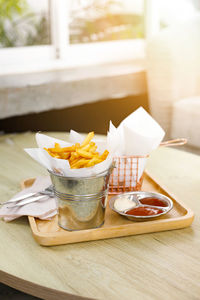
(43, 209)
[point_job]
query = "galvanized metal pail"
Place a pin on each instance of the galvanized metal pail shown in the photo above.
(82, 200)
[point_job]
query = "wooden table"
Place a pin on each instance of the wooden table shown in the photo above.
(163, 265)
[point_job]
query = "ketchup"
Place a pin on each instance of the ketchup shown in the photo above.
(144, 211)
(154, 202)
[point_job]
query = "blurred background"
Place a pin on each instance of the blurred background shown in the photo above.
(77, 64)
(80, 63)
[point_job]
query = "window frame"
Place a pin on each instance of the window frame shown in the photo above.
(61, 53)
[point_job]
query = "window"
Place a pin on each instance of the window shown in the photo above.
(70, 33)
(25, 33)
(24, 23)
(105, 20)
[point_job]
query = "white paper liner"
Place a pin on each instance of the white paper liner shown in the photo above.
(62, 166)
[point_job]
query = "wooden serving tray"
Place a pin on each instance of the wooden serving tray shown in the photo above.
(48, 233)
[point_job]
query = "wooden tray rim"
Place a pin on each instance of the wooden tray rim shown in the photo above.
(173, 223)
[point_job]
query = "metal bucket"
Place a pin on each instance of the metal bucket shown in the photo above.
(82, 200)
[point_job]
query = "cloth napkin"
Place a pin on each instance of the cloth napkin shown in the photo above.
(43, 209)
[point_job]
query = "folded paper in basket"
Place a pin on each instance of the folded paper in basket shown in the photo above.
(137, 135)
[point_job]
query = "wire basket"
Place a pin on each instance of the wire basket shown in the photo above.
(127, 175)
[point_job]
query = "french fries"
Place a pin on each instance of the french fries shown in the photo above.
(79, 156)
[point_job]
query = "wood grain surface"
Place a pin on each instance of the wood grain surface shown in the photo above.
(162, 265)
(48, 232)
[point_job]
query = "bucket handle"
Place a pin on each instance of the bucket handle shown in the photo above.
(175, 142)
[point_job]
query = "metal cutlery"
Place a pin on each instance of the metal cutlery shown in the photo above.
(30, 200)
(30, 197)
